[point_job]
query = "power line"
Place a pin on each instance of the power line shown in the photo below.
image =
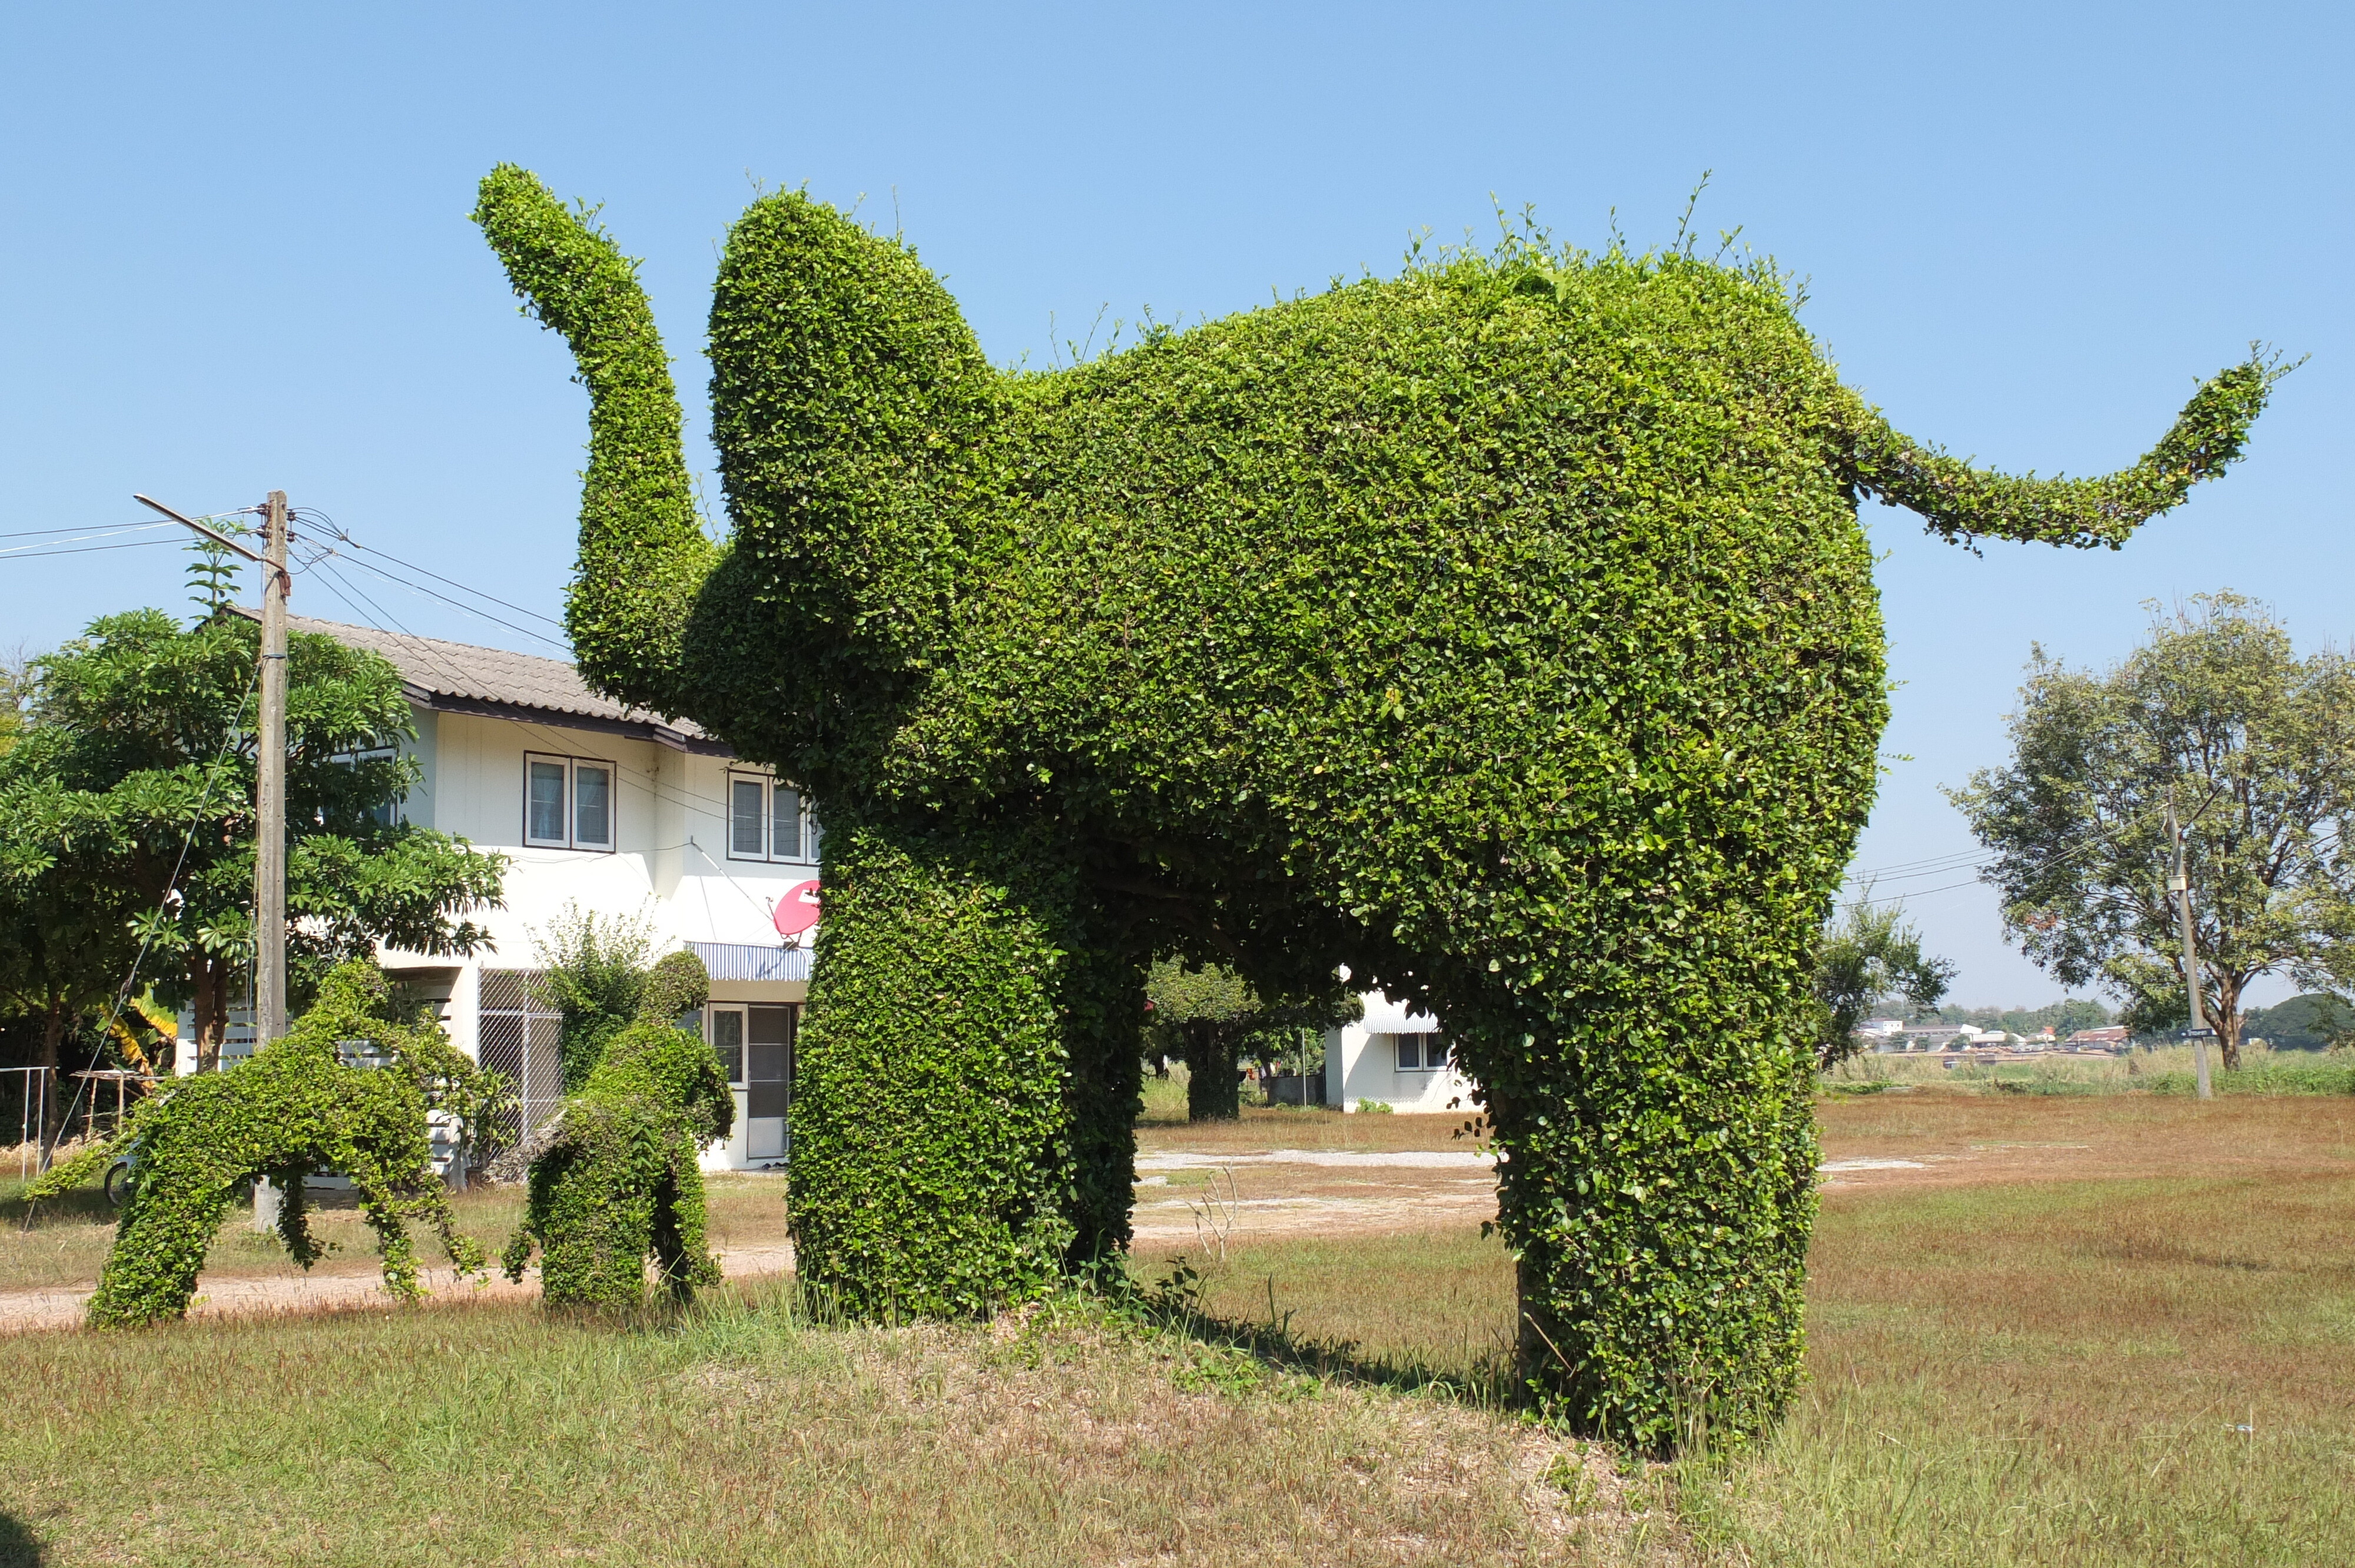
(85, 550)
(2052, 864)
(445, 599)
(70, 527)
(655, 787)
(452, 582)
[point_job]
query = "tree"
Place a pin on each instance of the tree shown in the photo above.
(2255, 746)
(1872, 954)
(594, 976)
(126, 814)
(1211, 1017)
(16, 693)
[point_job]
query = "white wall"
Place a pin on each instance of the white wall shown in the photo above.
(1361, 1064)
(670, 861)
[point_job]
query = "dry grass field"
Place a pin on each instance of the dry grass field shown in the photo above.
(2045, 1330)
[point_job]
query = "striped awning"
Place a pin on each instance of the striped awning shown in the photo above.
(746, 961)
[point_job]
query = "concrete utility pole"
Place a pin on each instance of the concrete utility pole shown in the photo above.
(268, 793)
(2180, 885)
(269, 788)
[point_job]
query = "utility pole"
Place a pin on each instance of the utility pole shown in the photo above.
(2180, 885)
(269, 794)
(269, 788)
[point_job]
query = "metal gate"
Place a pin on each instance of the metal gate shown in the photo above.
(517, 1036)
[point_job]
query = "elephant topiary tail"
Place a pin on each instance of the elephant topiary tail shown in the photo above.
(1964, 504)
(642, 551)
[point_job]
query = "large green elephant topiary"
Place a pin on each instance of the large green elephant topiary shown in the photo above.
(1502, 629)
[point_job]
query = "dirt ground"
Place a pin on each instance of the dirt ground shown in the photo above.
(1291, 1173)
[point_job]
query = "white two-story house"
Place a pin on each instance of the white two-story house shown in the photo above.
(620, 813)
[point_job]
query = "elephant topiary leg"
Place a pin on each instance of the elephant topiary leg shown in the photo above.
(932, 1161)
(159, 1246)
(593, 1210)
(1105, 1017)
(1660, 1186)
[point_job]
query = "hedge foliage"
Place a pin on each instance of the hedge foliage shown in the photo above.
(1502, 629)
(619, 1184)
(965, 1109)
(291, 1109)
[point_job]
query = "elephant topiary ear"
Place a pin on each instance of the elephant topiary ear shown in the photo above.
(679, 984)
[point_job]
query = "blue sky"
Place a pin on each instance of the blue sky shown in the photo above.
(237, 257)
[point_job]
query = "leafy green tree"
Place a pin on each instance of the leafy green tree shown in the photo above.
(2315, 1021)
(133, 779)
(1212, 1018)
(2256, 745)
(16, 693)
(1871, 955)
(595, 975)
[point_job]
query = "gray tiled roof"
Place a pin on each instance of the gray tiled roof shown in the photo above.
(459, 677)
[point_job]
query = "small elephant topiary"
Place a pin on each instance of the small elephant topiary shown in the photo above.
(1502, 629)
(297, 1107)
(616, 1181)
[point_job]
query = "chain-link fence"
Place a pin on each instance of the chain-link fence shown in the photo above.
(517, 1036)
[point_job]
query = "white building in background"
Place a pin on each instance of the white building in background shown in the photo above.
(620, 813)
(1396, 1057)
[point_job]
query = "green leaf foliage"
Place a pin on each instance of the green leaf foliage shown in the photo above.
(595, 976)
(292, 1108)
(2257, 748)
(618, 1183)
(951, 1155)
(138, 760)
(1502, 629)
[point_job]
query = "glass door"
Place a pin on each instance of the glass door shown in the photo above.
(768, 1080)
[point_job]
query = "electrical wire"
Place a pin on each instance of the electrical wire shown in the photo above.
(70, 527)
(445, 599)
(330, 527)
(376, 616)
(2054, 864)
(654, 787)
(83, 550)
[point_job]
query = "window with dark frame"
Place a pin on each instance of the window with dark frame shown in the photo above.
(386, 813)
(568, 803)
(728, 1043)
(769, 821)
(1421, 1053)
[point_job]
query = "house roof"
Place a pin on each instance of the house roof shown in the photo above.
(460, 678)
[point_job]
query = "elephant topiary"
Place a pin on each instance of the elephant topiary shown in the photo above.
(297, 1105)
(1503, 631)
(616, 1181)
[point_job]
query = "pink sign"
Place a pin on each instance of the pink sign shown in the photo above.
(797, 910)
